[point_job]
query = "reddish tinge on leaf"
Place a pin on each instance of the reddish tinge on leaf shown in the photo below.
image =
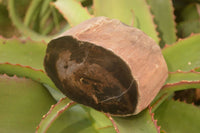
(107, 65)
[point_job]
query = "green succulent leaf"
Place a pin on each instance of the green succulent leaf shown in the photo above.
(177, 77)
(20, 26)
(100, 121)
(23, 103)
(45, 8)
(164, 18)
(72, 11)
(190, 20)
(6, 27)
(184, 55)
(131, 12)
(31, 11)
(187, 28)
(94, 121)
(65, 116)
(176, 81)
(181, 81)
(36, 75)
(178, 117)
(190, 12)
(24, 58)
(23, 71)
(23, 52)
(142, 123)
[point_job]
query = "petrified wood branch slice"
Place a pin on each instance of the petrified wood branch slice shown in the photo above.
(107, 65)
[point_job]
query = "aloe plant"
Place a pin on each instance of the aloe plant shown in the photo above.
(29, 100)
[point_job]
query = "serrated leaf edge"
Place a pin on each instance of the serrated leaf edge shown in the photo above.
(11, 77)
(57, 113)
(180, 71)
(152, 20)
(29, 67)
(164, 92)
(86, 9)
(44, 79)
(174, 18)
(184, 101)
(182, 81)
(180, 40)
(154, 120)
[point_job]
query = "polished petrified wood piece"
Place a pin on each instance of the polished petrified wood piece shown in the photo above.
(107, 65)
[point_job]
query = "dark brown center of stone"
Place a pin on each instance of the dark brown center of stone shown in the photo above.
(91, 75)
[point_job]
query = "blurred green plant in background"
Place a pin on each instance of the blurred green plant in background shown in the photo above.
(30, 102)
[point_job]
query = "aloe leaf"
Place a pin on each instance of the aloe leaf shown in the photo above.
(186, 28)
(178, 117)
(190, 12)
(177, 81)
(31, 11)
(66, 117)
(176, 77)
(6, 27)
(26, 61)
(50, 20)
(45, 7)
(25, 71)
(182, 80)
(72, 11)
(23, 52)
(131, 12)
(21, 27)
(101, 121)
(142, 123)
(164, 17)
(36, 75)
(184, 55)
(43, 20)
(56, 93)
(190, 20)
(23, 103)
(55, 17)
